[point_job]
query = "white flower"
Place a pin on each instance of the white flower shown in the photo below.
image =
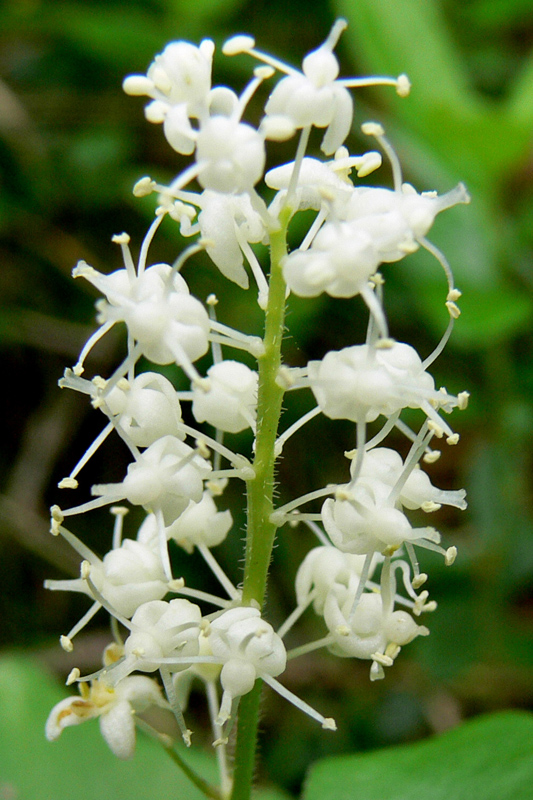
(128, 576)
(323, 570)
(115, 708)
(145, 409)
(249, 649)
(200, 524)
(371, 631)
(364, 520)
(398, 220)
(223, 220)
(160, 630)
(417, 491)
(168, 323)
(314, 96)
(179, 81)
(340, 261)
(165, 477)
(230, 400)
(230, 155)
(361, 382)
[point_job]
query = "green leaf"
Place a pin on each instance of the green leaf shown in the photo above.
(409, 36)
(79, 766)
(489, 758)
(478, 139)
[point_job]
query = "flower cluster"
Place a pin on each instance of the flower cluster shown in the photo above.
(178, 472)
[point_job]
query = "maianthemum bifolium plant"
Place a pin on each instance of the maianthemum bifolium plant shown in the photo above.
(362, 575)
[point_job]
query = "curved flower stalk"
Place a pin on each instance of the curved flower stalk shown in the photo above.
(364, 579)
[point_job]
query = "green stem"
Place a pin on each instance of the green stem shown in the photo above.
(169, 745)
(261, 531)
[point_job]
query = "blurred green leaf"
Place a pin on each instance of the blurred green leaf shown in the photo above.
(490, 758)
(479, 140)
(79, 766)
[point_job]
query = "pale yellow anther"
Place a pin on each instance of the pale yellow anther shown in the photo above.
(202, 448)
(430, 506)
(391, 549)
(120, 238)
(144, 187)
(176, 584)
(454, 309)
(119, 511)
(431, 456)
(73, 676)
(264, 72)
(373, 129)
(351, 454)
(66, 644)
(377, 279)
(403, 85)
(453, 439)
(238, 44)
(451, 555)
(68, 483)
(368, 163)
(453, 295)
(419, 580)
(462, 400)
(437, 430)
(392, 650)
(329, 724)
(381, 658)
(343, 630)
(431, 606)
(215, 488)
(99, 382)
(384, 344)
(56, 520)
(212, 300)
(85, 570)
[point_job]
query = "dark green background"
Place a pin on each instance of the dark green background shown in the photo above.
(71, 147)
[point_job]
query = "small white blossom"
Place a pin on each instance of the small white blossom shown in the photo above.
(164, 477)
(223, 220)
(361, 382)
(179, 81)
(145, 409)
(230, 155)
(230, 400)
(249, 649)
(323, 570)
(115, 708)
(340, 261)
(200, 524)
(365, 520)
(371, 631)
(168, 323)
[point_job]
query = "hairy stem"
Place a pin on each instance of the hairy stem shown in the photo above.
(261, 531)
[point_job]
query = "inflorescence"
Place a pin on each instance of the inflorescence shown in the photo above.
(366, 542)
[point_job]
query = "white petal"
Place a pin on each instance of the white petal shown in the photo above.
(118, 729)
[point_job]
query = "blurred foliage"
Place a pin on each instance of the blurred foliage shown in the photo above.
(71, 147)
